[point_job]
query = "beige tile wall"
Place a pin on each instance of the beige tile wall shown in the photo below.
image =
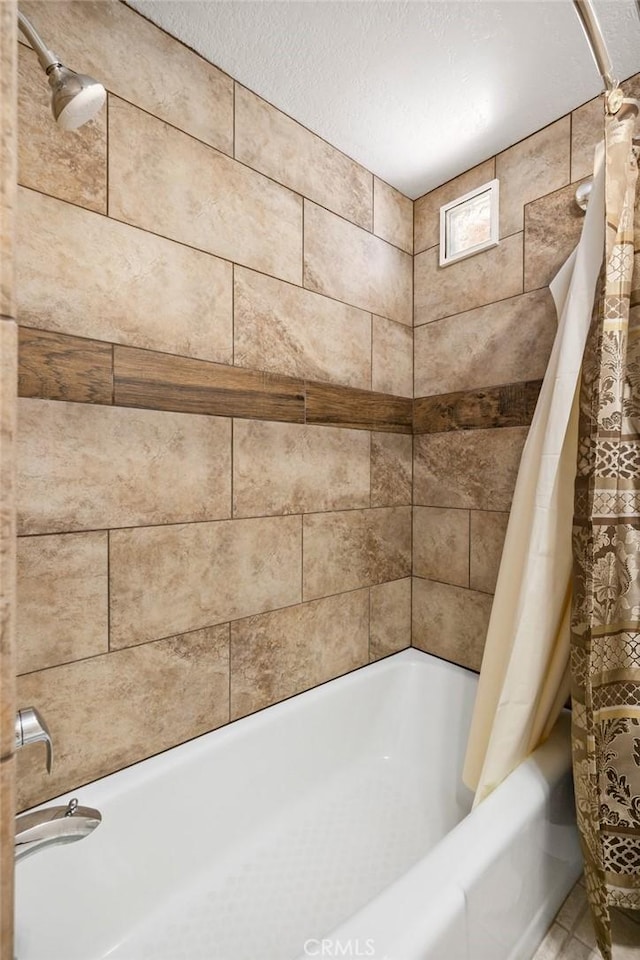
(8, 376)
(170, 555)
(484, 322)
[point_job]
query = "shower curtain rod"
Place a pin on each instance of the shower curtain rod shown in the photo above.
(595, 39)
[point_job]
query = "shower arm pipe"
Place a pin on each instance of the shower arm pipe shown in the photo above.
(593, 33)
(46, 57)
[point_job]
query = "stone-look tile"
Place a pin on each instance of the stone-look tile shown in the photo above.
(276, 655)
(171, 579)
(207, 200)
(87, 467)
(488, 531)
(115, 282)
(450, 622)
(345, 262)
(441, 545)
(575, 950)
(531, 169)
(572, 908)
(392, 215)
(63, 607)
(391, 469)
(390, 613)
(551, 946)
(70, 166)
(473, 469)
(129, 55)
(7, 854)
(8, 154)
(625, 935)
(552, 229)
(488, 276)
(285, 329)
(274, 144)
(505, 342)
(587, 130)
(295, 468)
(110, 711)
(8, 392)
(427, 208)
(344, 551)
(392, 358)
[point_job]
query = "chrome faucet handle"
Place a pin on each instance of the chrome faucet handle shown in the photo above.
(31, 728)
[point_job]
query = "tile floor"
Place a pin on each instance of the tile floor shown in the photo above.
(571, 936)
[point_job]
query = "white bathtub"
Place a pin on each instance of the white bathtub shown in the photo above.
(332, 825)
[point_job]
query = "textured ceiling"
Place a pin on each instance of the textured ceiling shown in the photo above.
(416, 91)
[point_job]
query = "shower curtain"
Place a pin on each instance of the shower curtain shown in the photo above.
(524, 680)
(605, 634)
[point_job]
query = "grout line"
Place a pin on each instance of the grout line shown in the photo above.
(186, 523)
(108, 590)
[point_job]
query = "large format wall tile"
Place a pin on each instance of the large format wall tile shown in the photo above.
(86, 467)
(171, 579)
(474, 469)
(450, 622)
(115, 282)
(109, 711)
(8, 493)
(552, 229)
(347, 263)
(392, 358)
(70, 166)
(441, 544)
(427, 208)
(278, 654)
(390, 613)
(292, 468)
(63, 607)
(392, 215)
(274, 144)
(587, 130)
(503, 342)
(165, 181)
(357, 548)
(531, 169)
(285, 329)
(488, 531)
(391, 469)
(8, 178)
(130, 56)
(492, 275)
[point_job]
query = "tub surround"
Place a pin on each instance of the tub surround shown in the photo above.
(226, 388)
(483, 332)
(215, 380)
(8, 365)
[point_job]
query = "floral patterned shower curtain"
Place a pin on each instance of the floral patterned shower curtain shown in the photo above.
(605, 640)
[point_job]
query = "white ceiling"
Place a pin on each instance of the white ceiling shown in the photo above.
(415, 90)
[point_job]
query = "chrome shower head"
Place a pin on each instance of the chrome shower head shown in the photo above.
(75, 98)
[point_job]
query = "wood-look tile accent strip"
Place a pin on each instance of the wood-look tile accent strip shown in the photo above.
(511, 405)
(160, 381)
(54, 366)
(358, 409)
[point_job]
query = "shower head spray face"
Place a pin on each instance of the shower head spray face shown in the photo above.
(75, 98)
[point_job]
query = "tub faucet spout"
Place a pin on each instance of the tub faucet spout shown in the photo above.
(53, 825)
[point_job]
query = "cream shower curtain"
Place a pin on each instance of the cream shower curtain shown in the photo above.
(524, 679)
(605, 637)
